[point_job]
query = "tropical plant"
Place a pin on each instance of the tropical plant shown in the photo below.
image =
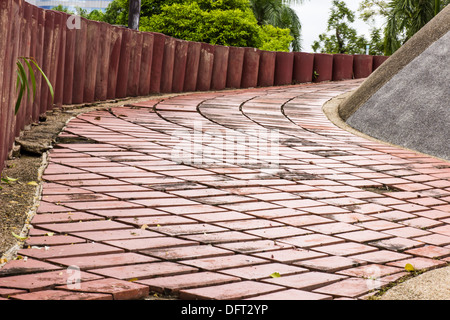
(279, 14)
(406, 17)
(23, 82)
(343, 38)
(222, 22)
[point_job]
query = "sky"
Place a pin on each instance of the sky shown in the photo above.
(314, 15)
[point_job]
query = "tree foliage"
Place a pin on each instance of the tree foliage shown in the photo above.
(278, 13)
(406, 17)
(342, 38)
(223, 22)
(402, 18)
(189, 21)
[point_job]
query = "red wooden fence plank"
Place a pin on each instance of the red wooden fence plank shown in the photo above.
(220, 68)
(157, 62)
(24, 50)
(39, 55)
(179, 67)
(205, 67)
(124, 64)
(79, 67)
(135, 64)
(92, 44)
(14, 50)
(235, 67)
(168, 65)
(5, 73)
(250, 68)
(146, 63)
(342, 67)
(114, 58)
(266, 71)
(47, 57)
(284, 67)
(303, 67)
(69, 62)
(362, 65)
(56, 48)
(192, 63)
(323, 66)
(101, 78)
(378, 61)
(59, 85)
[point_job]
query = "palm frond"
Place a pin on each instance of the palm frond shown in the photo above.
(23, 82)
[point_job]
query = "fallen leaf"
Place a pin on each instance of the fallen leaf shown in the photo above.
(409, 267)
(133, 279)
(144, 226)
(19, 237)
(49, 234)
(32, 183)
(275, 275)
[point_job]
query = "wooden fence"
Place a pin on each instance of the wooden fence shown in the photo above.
(89, 61)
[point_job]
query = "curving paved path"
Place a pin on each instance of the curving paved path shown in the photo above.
(229, 195)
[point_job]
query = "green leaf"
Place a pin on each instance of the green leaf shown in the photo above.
(19, 237)
(50, 87)
(409, 267)
(32, 77)
(275, 275)
(21, 85)
(21, 70)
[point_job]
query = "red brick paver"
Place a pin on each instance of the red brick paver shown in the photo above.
(246, 194)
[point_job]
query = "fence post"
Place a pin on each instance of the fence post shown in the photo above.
(146, 63)
(284, 68)
(303, 67)
(157, 61)
(168, 65)
(135, 64)
(235, 67)
(192, 63)
(59, 85)
(323, 67)
(5, 75)
(114, 58)
(342, 67)
(220, 67)
(205, 67)
(266, 74)
(179, 67)
(79, 67)
(92, 43)
(124, 64)
(103, 60)
(250, 68)
(362, 65)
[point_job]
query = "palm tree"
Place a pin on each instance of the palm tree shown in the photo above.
(406, 17)
(279, 14)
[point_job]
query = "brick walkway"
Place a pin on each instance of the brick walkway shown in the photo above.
(271, 201)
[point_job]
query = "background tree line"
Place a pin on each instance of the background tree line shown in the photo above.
(273, 25)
